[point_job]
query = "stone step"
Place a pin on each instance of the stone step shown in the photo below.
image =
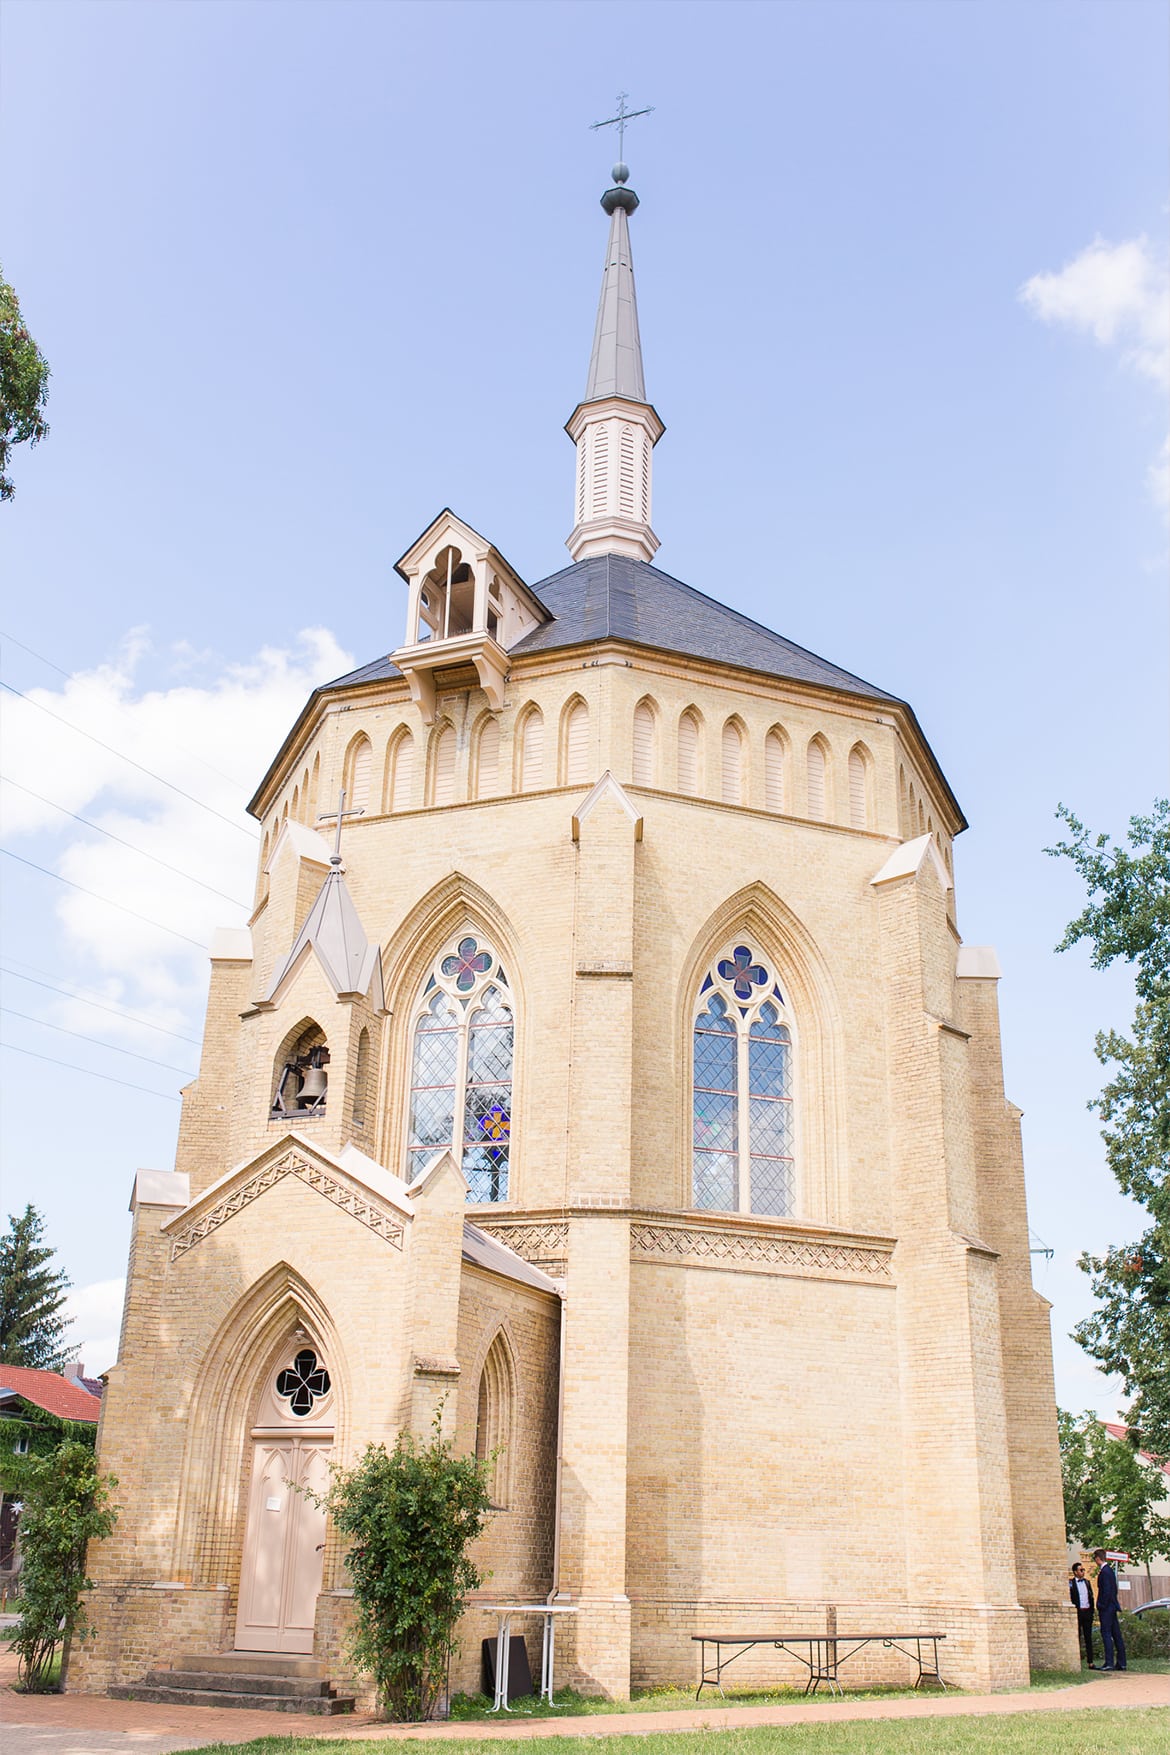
(251, 1663)
(322, 1706)
(239, 1682)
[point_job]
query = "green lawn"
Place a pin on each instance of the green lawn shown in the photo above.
(1109, 1731)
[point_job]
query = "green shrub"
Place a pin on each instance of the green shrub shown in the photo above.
(1147, 1636)
(66, 1505)
(409, 1515)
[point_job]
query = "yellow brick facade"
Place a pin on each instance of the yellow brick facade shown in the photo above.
(716, 1419)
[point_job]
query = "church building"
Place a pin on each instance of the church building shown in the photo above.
(611, 1075)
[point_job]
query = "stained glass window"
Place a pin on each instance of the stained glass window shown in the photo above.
(462, 1067)
(743, 1140)
(303, 1382)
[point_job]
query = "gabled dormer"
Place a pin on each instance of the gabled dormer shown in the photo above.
(467, 607)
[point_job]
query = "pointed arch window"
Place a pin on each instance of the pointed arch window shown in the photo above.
(774, 753)
(443, 767)
(858, 788)
(744, 1126)
(816, 767)
(731, 771)
(575, 734)
(400, 778)
(532, 752)
(487, 763)
(688, 755)
(461, 1069)
(644, 741)
(359, 766)
(493, 1419)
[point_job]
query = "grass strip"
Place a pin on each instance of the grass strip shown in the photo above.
(1096, 1731)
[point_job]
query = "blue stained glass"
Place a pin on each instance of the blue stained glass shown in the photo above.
(743, 974)
(706, 984)
(487, 1113)
(468, 962)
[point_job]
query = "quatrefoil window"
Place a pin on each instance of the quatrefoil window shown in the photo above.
(303, 1382)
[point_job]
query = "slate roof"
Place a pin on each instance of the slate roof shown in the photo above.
(47, 1390)
(613, 597)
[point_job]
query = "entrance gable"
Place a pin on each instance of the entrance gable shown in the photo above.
(351, 1185)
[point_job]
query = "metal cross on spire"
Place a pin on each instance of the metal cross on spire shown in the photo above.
(340, 814)
(619, 121)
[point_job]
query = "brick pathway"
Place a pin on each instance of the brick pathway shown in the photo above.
(88, 1724)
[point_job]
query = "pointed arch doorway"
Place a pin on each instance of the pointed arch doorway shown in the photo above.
(284, 1542)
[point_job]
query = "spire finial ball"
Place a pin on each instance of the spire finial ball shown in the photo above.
(621, 172)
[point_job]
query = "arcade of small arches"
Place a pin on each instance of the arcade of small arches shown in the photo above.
(462, 1055)
(682, 755)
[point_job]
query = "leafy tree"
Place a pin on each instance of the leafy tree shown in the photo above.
(1128, 919)
(24, 385)
(1084, 1514)
(33, 1331)
(1112, 1494)
(66, 1506)
(409, 1515)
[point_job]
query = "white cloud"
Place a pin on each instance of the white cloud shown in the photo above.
(97, 1320)
(211, 734)
(1117, 293)
(1120, 295)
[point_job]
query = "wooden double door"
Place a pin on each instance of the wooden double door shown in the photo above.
(283, 1547)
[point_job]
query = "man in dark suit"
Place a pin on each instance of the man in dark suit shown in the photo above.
(1080, 1593)
(1107, 1613)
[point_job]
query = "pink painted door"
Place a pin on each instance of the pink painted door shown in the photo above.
(281, 1575)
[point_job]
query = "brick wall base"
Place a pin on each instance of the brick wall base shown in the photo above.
(139, 1627)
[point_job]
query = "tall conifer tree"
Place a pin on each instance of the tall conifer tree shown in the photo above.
(33, 1331)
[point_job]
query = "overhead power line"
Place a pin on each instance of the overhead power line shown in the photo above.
(72, 1066)
(109, 834)
(97, 1041)
(69, 676)
(115, 1011)
(123, 757)
(120, 906)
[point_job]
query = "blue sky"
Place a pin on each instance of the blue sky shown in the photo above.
(307, 273)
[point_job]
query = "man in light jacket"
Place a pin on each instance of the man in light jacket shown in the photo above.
(1080, 1593)
(1107, 1613)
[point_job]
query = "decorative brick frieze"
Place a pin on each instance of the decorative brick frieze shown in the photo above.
(340, 1194)
(542, 1245)
(747, 1249)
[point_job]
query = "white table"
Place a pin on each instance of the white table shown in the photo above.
(504, 1612)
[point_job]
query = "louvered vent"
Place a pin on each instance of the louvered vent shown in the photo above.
(577, 745)
(402, 783)
(858, 804)
(774, 771)
(581, 449)
(487, 774)
(532, 754)
(626, 472)
(359, 776)
(816, 782)
(643, 745)
(445, 767)
(600, 471)
(732, 769)
(645, 479)
(688, 755)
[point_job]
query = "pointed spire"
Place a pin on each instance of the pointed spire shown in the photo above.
(615, 429)
(615, 368)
